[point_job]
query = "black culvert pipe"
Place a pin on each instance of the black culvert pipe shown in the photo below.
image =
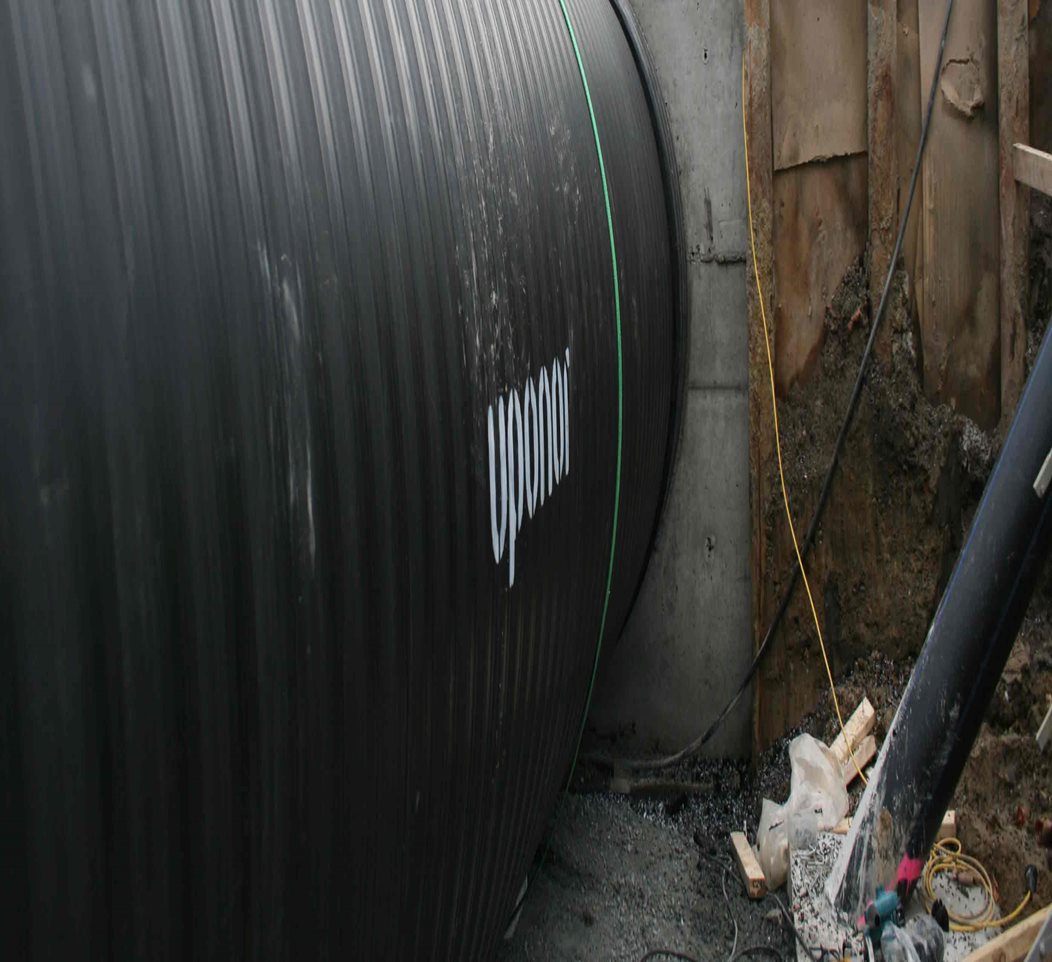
(337, 396)
(958, 669)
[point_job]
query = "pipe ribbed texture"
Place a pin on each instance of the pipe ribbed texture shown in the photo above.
(308, 418)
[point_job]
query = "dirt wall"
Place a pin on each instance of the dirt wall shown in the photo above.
(909, 480)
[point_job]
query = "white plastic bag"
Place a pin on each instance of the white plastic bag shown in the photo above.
(772, 844)
(817, 801)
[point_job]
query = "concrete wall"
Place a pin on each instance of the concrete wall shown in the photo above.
(688, 641)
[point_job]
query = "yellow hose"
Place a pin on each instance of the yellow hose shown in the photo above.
(947, 857)
(778, 439)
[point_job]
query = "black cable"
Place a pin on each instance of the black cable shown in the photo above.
(668, 761)
(810, 952)
(759, 950)
(751, 950)
(730, 914)
(668, 953)
(781, 907)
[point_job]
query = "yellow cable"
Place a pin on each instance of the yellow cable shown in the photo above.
(947, 856)
(778, 439)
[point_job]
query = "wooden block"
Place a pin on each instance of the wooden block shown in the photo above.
(1044, 477)
(948, 828)
(858, 726)
(865, 752)
(1044, 733)
(1011, 946)
(751, 873)
(623, 784)
(1013, 118)
(1032, 167)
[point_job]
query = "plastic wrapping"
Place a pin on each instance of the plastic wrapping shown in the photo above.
(817, 801)
(772, 843)
(920, 940)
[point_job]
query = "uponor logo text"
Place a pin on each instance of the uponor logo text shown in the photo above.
(529, 452)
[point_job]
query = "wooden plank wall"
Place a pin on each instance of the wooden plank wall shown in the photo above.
(958, 286)
(757, 98)
(835, 116)
(910, 99)
(1041, 74)
(1013, 82)
(818, 120)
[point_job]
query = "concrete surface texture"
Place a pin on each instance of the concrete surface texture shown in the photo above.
(688, 641)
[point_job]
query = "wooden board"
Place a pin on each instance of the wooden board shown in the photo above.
(862, 721)
(865, 751)
(1011, 946)
(818, 67)
(948, 828)
(958, 296)
(819, 232)
(1044, 731)
(910, 91)
(1041, 77)
(749, 868)
(622, 784)
(761, 429)
(1013, 84)
(1032, 167)
(882, 148)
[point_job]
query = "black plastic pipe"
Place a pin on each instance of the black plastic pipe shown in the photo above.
(963, 656)
(311, 458)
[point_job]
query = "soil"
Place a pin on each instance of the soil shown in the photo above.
(624, 876)
(906, 485)
(1040, 270)
(1006, 786)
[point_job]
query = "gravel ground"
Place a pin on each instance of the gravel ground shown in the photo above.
(625, 876)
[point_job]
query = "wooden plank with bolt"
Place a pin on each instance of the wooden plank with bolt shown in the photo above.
(751, 873)
(948, 828)
(1012, 946)
(865, 751)
(1032, 167)
(1044, 733)
(859, 725)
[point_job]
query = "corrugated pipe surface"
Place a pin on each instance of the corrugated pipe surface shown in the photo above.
(309, 419)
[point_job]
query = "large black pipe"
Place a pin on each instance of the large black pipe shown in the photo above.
(309, 420)
(959, 666)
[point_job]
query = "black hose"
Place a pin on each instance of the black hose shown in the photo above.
(668, 954)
